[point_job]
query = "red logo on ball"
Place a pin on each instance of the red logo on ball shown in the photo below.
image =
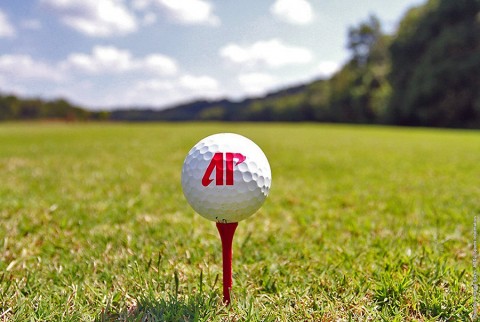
(219, 163)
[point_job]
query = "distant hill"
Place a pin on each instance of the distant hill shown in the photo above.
(250, 109)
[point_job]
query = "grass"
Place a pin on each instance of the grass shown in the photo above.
(362, 223)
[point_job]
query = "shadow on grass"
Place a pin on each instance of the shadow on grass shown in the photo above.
(172, 309)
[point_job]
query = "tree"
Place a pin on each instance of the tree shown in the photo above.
(358, 90)
(14, 108)
(362, 39)
(9, 107)
(435, 73)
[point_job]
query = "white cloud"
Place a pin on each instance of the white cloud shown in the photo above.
(256, 83)
(272, 53)
(103, 59)
(161, 92)
(328, 68)
(6, 28)
(199, 83)
(189, 12)
(154, 85)
(141, 4)
(96, 18)
(108, 59)
(298, 12)
(8, 87)
(147, 93)
(159, 64)
(23, 67)
(31, 24)
(149, 19)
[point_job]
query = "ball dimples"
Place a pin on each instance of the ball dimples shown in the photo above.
(222, 199)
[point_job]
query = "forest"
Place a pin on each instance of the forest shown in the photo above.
(427, 73)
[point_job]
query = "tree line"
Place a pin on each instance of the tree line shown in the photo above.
(15, 108)
(425, 74)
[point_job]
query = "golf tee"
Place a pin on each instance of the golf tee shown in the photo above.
(227, 230)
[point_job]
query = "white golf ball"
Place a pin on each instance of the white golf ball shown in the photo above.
(226, 177)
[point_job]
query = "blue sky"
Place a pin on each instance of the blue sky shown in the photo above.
(119, 53)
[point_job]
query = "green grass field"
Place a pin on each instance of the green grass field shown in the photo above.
(362, 223)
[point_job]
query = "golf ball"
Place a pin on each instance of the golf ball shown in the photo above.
(226, 177)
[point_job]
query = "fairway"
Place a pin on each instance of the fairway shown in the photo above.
(362, 223)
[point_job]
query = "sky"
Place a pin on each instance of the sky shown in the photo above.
(106, 54)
